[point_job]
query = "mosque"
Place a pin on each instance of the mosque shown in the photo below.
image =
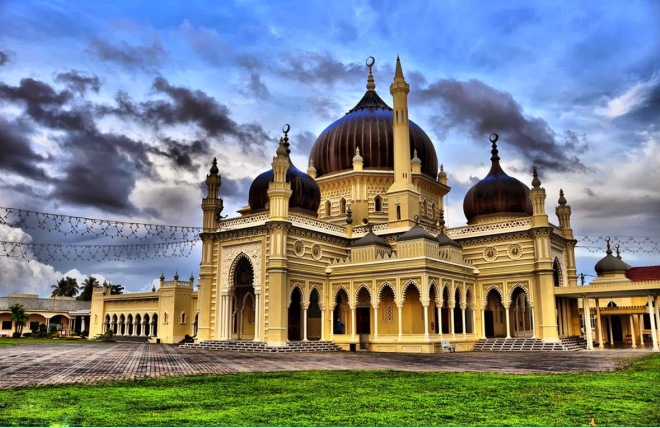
(355, 251)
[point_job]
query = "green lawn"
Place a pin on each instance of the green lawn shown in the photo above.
(9, 341)
(626, 397)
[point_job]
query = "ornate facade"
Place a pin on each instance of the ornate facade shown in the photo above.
(356, 250)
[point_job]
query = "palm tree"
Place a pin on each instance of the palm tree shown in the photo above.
(65, 287)
(18, 316)
(88, 288)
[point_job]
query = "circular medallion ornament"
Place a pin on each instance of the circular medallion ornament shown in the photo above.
(514, 251)
(317, 252)
(490, 254)
(299, 248)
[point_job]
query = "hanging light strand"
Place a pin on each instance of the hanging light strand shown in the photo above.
(84, 226)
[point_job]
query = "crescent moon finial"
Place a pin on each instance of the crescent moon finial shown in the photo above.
(286, 128)
(371, 61)
(371, 85)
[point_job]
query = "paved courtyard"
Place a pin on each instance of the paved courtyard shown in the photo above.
(40, 364)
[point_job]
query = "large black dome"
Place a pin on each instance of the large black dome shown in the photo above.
(368, 126)
(497, 194)
(306, 193)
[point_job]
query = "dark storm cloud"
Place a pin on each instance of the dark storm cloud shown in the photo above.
(303, 142)
(256, 88)
(46, 106)
(102, 170)
(79, 82)
(231, 188)
(17, 154)
(314, 67)
(4, 58)
(144, 57)
(481, 110)
(181, 153)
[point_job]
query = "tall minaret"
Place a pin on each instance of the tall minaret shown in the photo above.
(279, 190)
(212, 204)
(402, 196)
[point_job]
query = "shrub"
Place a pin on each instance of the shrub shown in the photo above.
(52, 330)
(27, 334)
(16, 335)
(107, 336)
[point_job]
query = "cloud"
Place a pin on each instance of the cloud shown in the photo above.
(256, 88)
(181, 153)
(79, 82)
(480, 109)
(633, 98)
(303, 142)
(146, 56)
(318, 68)
(17, 153)
(205, 41)
(4, 58)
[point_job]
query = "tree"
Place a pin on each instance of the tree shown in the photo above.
(116, 289)
(18, 316)
(67, 287)
(88, 288)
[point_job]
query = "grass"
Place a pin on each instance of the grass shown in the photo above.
(349, 398)
(10, 341)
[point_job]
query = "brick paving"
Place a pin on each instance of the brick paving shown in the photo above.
(29, 365)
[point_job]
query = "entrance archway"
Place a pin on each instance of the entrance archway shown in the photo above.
(341, 315)
(363, 312)
(412, 312)
(242, 308)
(522, 314)
(314, 316)
(494, 316)
(295, 315)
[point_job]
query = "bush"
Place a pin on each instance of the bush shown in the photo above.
(16, 335)
(52, 330)
(107, 336)
(27, 334)
(43, 331)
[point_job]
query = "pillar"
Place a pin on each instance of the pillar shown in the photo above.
(641, 330)
(304, 324)
(632, 331)
(463, 319)
(657, 316)
(600, 325)
(257, 316)
(587, 323)
(375, 322)
(609, 325)
(400, 319)
(353, 324)
(508, 324)
(654, 333)
(440, 320)
(531, 309)
(322, 324)
(452, 327)
(474, 323)
(426, 322)
(483, 323)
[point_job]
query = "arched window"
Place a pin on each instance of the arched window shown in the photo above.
(433, 210)
(183, 317)
(378, 204)
(556, 273)
(342, 206)
(398, 212)
(328, 208)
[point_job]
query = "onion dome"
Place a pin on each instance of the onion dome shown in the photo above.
(497, 194)
(305, 195)
(214, 167)
(610, 263)
(368, 125)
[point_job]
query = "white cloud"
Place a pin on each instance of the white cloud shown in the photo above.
(634, 97)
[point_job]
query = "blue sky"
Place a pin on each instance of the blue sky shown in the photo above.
(114, 110)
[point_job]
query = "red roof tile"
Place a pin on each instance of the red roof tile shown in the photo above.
(644, 273)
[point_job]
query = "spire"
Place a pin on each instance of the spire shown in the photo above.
(562, 200)
(494, 158)
(283, 149)
(415, 160)
(535, 182)
(371, 85)
(214, 167)
(609, 250)
(357, 157)
(398, 73)
(441, 221)
(162, 276)
(442, 175)
(311, 171)
(618, 254)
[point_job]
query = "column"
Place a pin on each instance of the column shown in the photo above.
(587, 323)
(82, 325)
(483, 323)
(474, 323)
(451, 322)
(352, 323)
(426, 322)
(220, 319)
(135, 324)
(257, 316)
(632, 331)
(332, 324)
(600, 325)
(322, 324)
(508, 324)
(304, 324)
(609, 325)
(440, 320)
(463, 319)
(375, 322)
(515, 321)
(657, 316)
(641, 330)
(654, 334)
(400, 319)
(531, 310)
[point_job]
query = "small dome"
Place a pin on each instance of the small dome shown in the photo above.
(610, 263)
(370, 239)
(306, 193)
(497, 194)
(415, 232)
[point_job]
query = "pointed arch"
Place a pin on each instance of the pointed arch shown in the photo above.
(495, 288)
(557, 274)
(433, 287)
(300, 289)
(338, 290)
(382, 287)
(328, 208)
(319, 290)
(239, 267)
(361, 287)
(405, 289)
(342, 206)
(378, 204)
(513, 289)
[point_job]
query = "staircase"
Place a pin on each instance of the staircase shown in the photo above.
(251, 346)
(131, 339)
(527, 344)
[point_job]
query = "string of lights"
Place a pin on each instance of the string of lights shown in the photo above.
(84, 226)
(76, 252)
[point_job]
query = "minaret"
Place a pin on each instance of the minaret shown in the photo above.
(537, 195)
(212, 204)
(279, 191)
(402, 196)
(564, 215)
